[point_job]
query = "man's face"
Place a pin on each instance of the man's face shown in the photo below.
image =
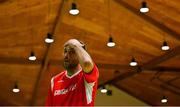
(70, 58)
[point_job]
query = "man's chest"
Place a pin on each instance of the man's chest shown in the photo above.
(65, 86)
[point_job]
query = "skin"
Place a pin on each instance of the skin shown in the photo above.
(75, 57)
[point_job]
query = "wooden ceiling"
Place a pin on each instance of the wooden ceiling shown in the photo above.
(24, 25)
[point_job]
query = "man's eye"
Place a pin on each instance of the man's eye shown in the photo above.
(69, 52)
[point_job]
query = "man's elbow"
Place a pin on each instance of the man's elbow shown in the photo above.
(88, 66)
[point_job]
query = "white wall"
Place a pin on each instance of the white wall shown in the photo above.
(118, 97)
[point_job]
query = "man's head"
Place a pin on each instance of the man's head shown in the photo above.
(70, 58)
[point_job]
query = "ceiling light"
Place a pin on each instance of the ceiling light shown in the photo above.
(165, 46)
(144, 8)
(164, 99)
(110, 42)
(133, 62)
(32, 56)
(103, 89)
(49, 38)
(74, 10)
(16, 89)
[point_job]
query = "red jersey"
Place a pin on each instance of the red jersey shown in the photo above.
(77, 90)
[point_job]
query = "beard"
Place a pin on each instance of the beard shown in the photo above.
(69, 65)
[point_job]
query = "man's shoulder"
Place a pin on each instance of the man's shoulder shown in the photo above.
(59, 75)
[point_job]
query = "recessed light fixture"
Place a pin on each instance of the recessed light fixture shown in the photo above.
(144, 8)
(110, 42)
(49, 38)
(133, 62)
(16, 89)
(32, 56)
(74, 10)
(165, 46)
(103, 89)
(164, 99)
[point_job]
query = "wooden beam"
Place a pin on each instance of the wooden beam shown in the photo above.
(47, 53)
(99, 65)
(159, 89)
(149, 65)
(119, 77)
(170, 54)
(118, 67)
(167, 85)
(20, 61)
(163, 69)
(149, 19)
(114, 66)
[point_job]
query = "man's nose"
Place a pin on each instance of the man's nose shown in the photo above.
(66, 55)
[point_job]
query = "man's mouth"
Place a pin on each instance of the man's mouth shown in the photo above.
(66, 60)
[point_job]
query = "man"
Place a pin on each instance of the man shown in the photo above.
(77, 85)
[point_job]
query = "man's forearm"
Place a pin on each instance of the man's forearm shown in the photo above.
(85, 60)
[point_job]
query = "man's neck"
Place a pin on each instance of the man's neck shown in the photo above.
(70, 72)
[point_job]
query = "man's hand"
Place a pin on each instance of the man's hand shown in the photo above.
(83, 57)
(73, 42)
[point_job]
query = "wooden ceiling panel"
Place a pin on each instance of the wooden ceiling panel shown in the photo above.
(22, 17)
(77, 23)
(159, 10)
(152, 91)
(23, 30)
(21, 52)
(176, 82)
(106, 74)
(131, 47)
(173, 62)
(144, 27)
(25, 76)
(91, 8)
